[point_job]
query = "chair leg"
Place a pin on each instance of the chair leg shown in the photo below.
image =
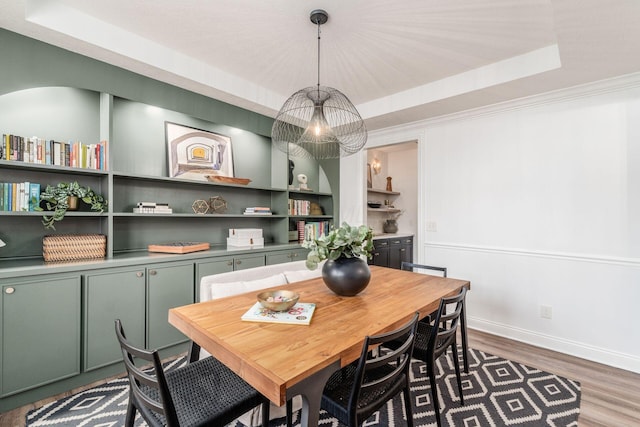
(463, 333)
(456, 364)
(265, 413)
(407, 404)
(290, 412)
(434, 391)
(131, 413)
(194, 352)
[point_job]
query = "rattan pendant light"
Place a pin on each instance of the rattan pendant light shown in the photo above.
(319, 122)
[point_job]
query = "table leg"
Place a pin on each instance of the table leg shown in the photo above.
(310, 389)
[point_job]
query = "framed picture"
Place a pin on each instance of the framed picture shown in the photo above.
(196, 153)
(369, 182)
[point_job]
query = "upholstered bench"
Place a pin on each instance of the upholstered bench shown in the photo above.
(254, 279)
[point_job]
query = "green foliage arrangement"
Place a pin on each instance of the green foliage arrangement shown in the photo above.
(57, 200)
(345, 241)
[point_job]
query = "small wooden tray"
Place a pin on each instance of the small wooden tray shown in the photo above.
(179, 247)
(228, 179)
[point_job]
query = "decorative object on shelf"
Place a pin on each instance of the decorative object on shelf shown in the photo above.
(374, 205)
(227, 179)
(346, 272)
(57, 200)
(245, 238)
(179, 247)
(71, 247)
(291, 167)
(218, 204)
(302, 181)
(196, 153)
(200, 207)
(315, 209)
(390, 226)
(319, 122)
(389, 185)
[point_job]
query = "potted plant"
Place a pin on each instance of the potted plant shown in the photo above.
(60, 199)
(345, 272)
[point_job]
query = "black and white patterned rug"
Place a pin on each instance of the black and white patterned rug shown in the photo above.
(497, 392)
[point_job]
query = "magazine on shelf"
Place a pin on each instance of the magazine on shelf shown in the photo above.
(299, 314)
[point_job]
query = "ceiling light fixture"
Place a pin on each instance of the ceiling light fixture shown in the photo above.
(319, 122)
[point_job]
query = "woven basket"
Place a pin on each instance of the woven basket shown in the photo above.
(68, 247)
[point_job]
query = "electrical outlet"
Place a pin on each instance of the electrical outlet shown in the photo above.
(546, 312)
(432, 226)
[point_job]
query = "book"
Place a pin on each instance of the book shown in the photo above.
(299, 314)
(34, 196)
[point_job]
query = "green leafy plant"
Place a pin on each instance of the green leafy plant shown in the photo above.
(344, 241)
(57, 201)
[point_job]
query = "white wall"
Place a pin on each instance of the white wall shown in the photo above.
(537, 202)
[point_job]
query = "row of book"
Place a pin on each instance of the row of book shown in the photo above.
(299, 207)
(311, 230)
(19, 196)
(49, 152)
(257, 210)
(152, 208)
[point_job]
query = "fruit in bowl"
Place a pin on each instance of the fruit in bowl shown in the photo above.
(278, 300)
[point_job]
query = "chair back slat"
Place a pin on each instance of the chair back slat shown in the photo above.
(148, 384)
(445, 324)
(411, 266)
(382, 368)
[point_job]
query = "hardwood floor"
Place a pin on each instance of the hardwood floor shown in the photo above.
(610, 396)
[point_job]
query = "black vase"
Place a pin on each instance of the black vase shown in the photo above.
(346, 276)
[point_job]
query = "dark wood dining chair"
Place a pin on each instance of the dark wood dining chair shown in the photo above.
(355, 392)
(409, 266)
(201, 393)
(432, 341)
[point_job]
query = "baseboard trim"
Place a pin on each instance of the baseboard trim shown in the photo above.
(595, 354)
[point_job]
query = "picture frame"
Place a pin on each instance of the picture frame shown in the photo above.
(197, 154)
(369, 180)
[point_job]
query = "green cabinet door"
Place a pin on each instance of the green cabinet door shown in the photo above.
(168, 286)
(40, 332)
(279, 257)
(109, 295)
(248, 261)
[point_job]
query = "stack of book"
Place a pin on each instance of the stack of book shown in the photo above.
(258, 210)
(19, 196)
(152, 208)
(49, 152)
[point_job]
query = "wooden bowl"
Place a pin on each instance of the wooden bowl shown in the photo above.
(278, 300)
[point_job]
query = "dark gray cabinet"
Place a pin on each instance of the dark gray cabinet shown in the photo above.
(392, 252)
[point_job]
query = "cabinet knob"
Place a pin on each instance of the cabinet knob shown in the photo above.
(229, 262)
(139, 274)
(402, 250)
(239, 261)
(9, 290)
(153, 272)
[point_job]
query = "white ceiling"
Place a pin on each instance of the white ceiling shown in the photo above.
(398, 61)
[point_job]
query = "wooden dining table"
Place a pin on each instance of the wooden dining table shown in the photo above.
(283, 360)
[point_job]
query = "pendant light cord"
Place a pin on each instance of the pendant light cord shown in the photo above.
(318, 23)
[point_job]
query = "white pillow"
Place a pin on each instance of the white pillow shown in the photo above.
(300, 275)
(275, 280)
(220, 290)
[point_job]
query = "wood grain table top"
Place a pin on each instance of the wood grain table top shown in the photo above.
(272, 357)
